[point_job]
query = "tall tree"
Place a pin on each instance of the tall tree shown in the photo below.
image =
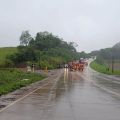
(25, 38)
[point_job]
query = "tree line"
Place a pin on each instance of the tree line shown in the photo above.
(45, 49)
(107, 55)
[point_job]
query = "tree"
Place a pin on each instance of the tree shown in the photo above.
(72, 46)
(45, 49)
(46, 41)
(23, 55)
(25, 38)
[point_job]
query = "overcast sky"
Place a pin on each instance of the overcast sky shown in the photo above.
(92, 24)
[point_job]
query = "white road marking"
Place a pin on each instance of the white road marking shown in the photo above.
(107, 79)
(107, 90)
(101, 87)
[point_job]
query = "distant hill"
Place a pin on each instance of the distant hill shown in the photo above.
(6, 51)
(107, 54)
(117, 45)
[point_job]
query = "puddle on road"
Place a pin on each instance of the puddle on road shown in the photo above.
(43, 90)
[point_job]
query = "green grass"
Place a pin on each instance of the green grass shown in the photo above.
(6, 51)
(103, 69)
(12, 79)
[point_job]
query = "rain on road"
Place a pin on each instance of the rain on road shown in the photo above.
(84, 95)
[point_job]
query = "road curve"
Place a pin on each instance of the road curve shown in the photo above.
(86, 95)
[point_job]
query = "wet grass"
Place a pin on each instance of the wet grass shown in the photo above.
(12, 79)
(103, 69)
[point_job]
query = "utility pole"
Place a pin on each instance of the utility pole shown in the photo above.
(39, 59)
(112, 64)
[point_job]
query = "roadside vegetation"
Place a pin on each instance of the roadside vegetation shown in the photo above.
(43, 50)
(102, 68)
(107, 60)
(12, 79)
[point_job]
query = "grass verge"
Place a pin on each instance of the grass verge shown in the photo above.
(5, 52)
(103, 69)
(12, 79)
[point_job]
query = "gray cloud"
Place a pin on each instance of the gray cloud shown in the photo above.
(92, 24)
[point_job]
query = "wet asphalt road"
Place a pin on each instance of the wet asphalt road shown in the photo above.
(84, 95)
